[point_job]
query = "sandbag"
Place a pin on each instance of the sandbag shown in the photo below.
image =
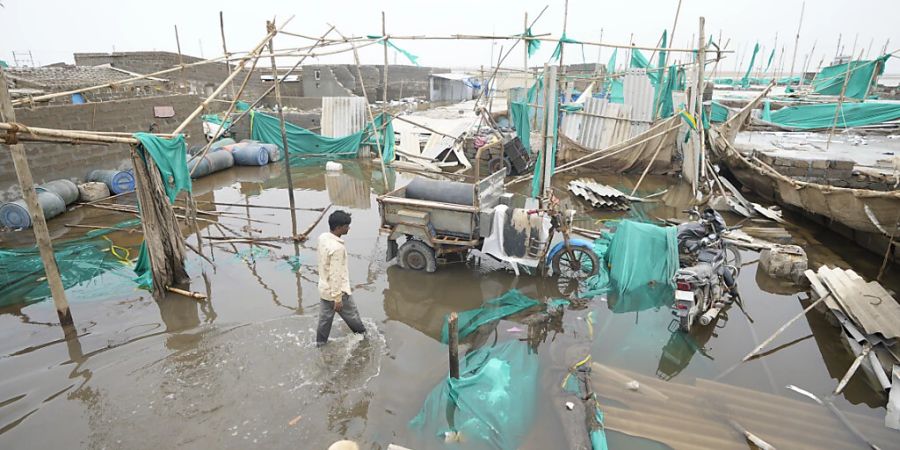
(92, 191)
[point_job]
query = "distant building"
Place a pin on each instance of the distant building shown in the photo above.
(452, 87)
(33, 81)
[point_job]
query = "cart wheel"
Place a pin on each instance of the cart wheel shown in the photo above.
(577, 262)
(498, 163)
(416, 255)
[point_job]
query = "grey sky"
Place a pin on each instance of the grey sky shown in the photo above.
(54, 29)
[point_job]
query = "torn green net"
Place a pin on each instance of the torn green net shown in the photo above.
(510, 303)
(412, 58)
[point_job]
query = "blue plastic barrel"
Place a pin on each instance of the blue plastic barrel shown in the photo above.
(275, 153)
(118, 181)
(211, 163)
(221, 143)
(66, 189)
(250, 154)
(15, 214)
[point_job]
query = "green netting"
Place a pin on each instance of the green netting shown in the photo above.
(493, 310)
(745, 80)
(533, 44)
(611, 65)
(490, 406)
(412, 58)
(520, 120)
(863, 75)
(170, 157)
(638, 60)
(92, 263)
(767, 110)
(821, 116)
(719, 112)
(641, 254)
(769, 64)
(565, 40)
(267, 129)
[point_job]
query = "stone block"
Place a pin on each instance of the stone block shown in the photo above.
(797, 162)
(784, 261)
(841, 164)
(819, 163)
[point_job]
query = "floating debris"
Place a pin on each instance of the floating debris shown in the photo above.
(600, 195)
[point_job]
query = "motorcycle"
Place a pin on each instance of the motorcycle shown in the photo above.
(705, 281)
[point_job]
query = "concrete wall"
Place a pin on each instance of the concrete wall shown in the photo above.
(53, 161)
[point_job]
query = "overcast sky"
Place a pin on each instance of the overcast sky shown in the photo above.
(54, 29)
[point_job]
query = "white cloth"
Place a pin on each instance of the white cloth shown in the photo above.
(493, 244)
(334, 276)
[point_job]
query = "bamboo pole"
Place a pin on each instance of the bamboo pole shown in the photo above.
(225, 50)
(698, 98)
(453, 344)
(562, 46)
(784, 327)
(384, 95)
(852, 370)
(305, 234)
(544, 37)
(672, 37)
(369, 109)
(189, 294)
(39, 223)
(284, 140)
(840, 103)
(525, 54)
(66, 134)
(796, 42)
(288, 73)
(243, 62)
(180, 56)
(647, 169)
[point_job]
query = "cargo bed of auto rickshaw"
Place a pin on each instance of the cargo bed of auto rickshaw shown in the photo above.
(438, 218)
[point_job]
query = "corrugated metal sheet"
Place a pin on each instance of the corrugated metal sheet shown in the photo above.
(601, 124)
(638, 93)
(868, 305)
(450, 90)
(599, 195)
(342, 116)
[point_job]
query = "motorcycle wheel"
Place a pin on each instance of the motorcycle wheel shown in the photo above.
(576, 263)
(733, 258)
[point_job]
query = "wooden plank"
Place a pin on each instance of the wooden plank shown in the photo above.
(39, 223)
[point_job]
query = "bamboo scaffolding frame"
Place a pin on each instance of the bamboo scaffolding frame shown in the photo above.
(544, 37)
(240, 67)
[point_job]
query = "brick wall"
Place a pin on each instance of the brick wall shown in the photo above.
(53, 161)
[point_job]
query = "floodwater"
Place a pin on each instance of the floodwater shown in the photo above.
(241, 370)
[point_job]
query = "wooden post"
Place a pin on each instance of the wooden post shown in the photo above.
(561, 45)
(840, 103)
(550, 128)
(796, 43)
(284, 141)
(225, 50)
(39, 224)
(384, 95)
(180, 56)
(525, 60)
(453, 341)
(672, 36)
(784, 327)
(369, 109)
(701, 62)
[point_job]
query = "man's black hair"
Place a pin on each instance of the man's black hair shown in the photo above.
(337, 219)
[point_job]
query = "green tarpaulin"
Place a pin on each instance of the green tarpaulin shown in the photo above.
(821, 116)
(520, 120)
(490, 406)
(863, 75)
(533, 44)
(267, 129)
(641, 254)
(491, 311)
(611, 65)
(565, 40)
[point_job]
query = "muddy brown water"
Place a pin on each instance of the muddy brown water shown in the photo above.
(241, 370)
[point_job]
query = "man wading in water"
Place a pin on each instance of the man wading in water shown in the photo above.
(334, 279)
